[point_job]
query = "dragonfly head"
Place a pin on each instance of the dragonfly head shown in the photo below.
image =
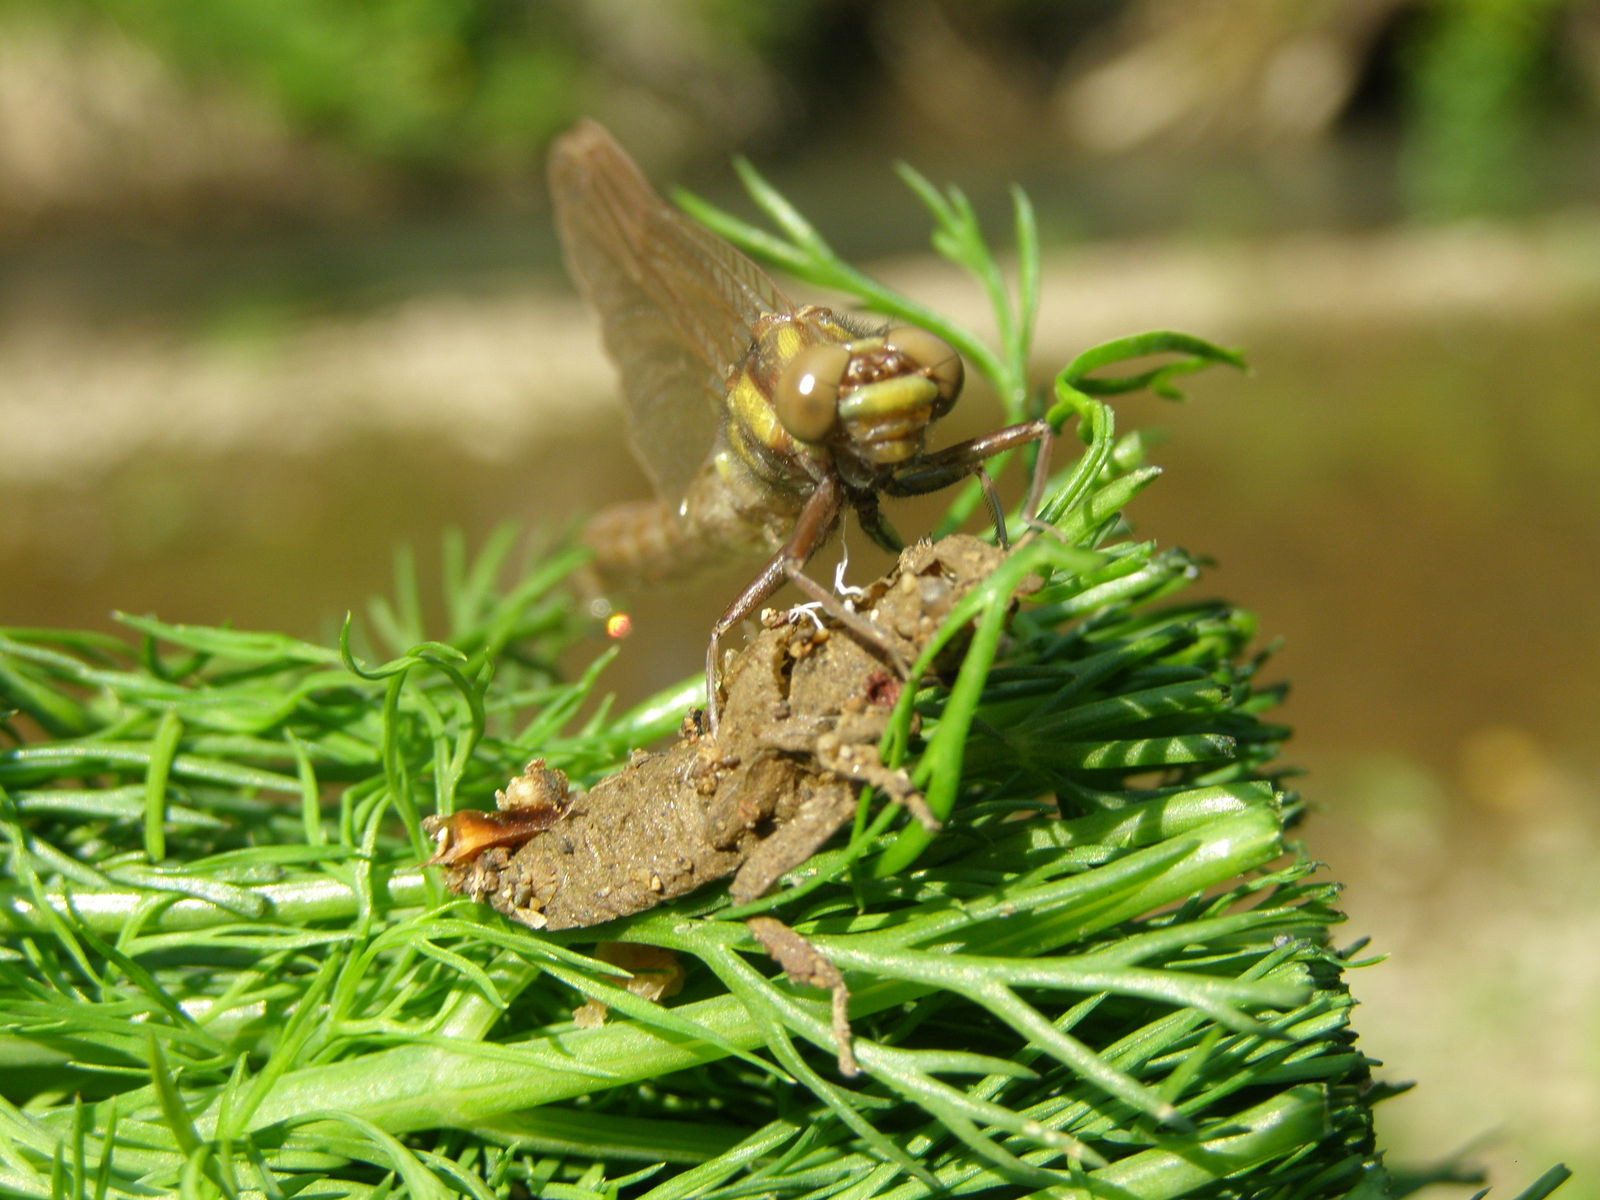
(875, 396)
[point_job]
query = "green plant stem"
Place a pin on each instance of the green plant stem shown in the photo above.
(295, 903)
(419, 1087)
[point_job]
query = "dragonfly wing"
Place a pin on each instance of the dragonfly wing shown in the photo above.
(677, 304)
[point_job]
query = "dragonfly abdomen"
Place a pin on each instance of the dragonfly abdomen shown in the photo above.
(728, 512)
(644, 542)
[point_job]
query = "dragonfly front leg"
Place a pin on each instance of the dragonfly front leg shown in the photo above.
(875, 525)
(811, 529)
(954, 463)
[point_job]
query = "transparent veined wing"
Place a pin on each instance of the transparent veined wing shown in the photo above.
(677, 304)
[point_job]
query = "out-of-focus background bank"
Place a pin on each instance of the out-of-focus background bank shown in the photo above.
(278, 290)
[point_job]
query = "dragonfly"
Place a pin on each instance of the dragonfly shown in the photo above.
(759, 422)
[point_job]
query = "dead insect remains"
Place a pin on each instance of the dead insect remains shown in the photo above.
(808, 702)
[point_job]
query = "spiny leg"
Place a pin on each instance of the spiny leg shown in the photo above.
(997, 510)
(1041, 473)
(862, 764)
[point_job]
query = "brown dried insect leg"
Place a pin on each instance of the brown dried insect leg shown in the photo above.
(860, 762)
(796, 840)
(804, 964)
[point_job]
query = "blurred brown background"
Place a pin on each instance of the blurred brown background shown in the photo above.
(278, 291)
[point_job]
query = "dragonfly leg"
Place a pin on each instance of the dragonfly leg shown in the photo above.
(997, 510)
(876, 526)
(811, 529)
(864, 629)
(955, 463)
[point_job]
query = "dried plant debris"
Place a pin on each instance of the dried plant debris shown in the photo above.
(531, 803)
(806, 705)
(653, 973)
(804, 964)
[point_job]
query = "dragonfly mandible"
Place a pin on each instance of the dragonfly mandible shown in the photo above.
(758, 421)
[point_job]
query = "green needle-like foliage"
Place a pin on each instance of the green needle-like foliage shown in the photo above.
(223, 971)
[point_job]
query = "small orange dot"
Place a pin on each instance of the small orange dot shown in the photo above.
(619, 625)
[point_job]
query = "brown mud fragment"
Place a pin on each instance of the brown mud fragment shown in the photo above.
(804, 964)
(654, 974)
(806, 705)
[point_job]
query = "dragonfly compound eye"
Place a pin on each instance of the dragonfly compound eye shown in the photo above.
(807, 395)
(936, 357)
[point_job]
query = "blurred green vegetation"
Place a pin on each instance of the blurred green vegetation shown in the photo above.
(429, 85)
(1482, 104)
(425, 82)
(1468, 91)
(1485, 80)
